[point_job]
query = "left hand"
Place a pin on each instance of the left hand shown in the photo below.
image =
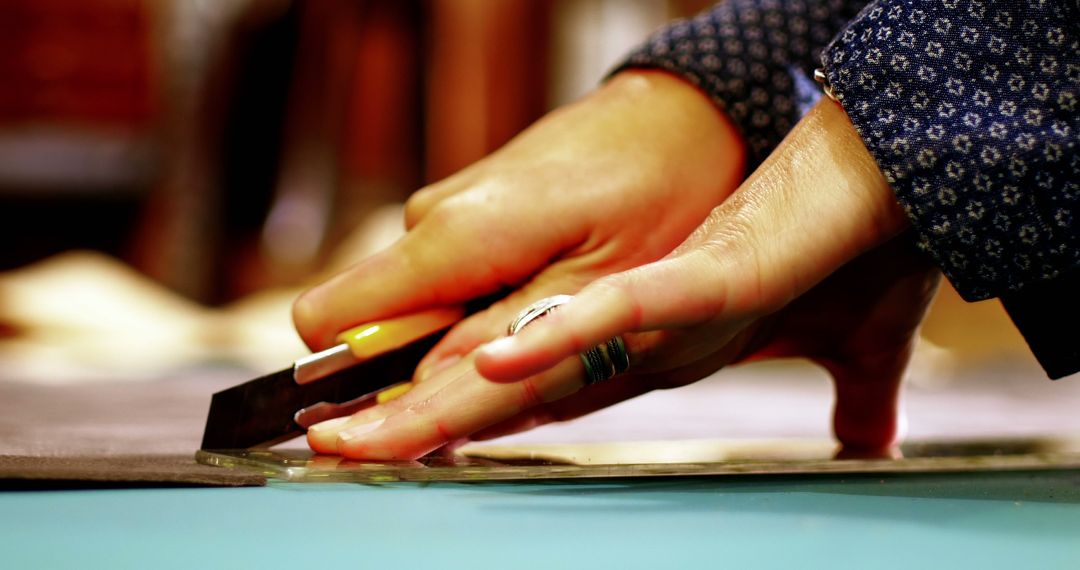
(609, 182)
(759, 279)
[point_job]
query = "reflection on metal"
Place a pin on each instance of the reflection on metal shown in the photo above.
(322, 364)
(658, 459)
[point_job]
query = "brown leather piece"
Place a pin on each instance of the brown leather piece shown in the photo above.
(110, 434)
(26, 472)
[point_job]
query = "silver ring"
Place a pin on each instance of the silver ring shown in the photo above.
(601, 362)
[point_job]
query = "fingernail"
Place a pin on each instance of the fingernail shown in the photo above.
(355, 432)
(330, 424)
(500, 346)
(430, 370)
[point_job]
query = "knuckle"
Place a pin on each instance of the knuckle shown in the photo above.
(305, 315)
(733, 253)
(442, 215)
(616, 291)
(566, 334)
(417, 206)
(528, 395)
(731, 240)
(457, 219)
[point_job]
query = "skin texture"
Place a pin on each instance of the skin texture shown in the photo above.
(803, 259)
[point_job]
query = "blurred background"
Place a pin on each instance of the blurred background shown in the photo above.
(223, 146)
(212, 149)
(172, 171)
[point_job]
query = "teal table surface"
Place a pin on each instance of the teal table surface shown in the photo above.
(991, 520)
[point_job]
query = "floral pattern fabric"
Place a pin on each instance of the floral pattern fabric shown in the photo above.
(972, 111)
(970, 108)
(754, 58)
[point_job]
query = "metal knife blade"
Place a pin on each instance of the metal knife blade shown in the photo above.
(261, 412)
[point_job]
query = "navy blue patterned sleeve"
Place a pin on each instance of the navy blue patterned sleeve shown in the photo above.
(971, 110)
(754, 58)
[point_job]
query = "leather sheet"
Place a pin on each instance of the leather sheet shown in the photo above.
(111, 434)
(29, 472)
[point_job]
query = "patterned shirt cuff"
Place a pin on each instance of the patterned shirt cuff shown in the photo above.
(970, 110)
(753, 58)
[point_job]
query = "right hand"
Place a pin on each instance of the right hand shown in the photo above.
(611, 182)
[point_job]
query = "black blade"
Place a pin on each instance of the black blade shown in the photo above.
(260, 412)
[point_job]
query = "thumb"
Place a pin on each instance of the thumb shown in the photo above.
(676, 292)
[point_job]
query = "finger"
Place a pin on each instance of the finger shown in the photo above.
(675, 367)
(462, 339)
(567, 276)
(323, 437)
(866, 414)
(459, 402)
(460, 408)
(455, 254)
(424, 200)
(868, 369)
(675, 292)
(583, 402)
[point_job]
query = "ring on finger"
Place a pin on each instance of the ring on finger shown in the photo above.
(601, 362)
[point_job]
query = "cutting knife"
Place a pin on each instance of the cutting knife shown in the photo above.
(327, 384)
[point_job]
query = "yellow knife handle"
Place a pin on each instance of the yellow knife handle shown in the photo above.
(374, 338)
